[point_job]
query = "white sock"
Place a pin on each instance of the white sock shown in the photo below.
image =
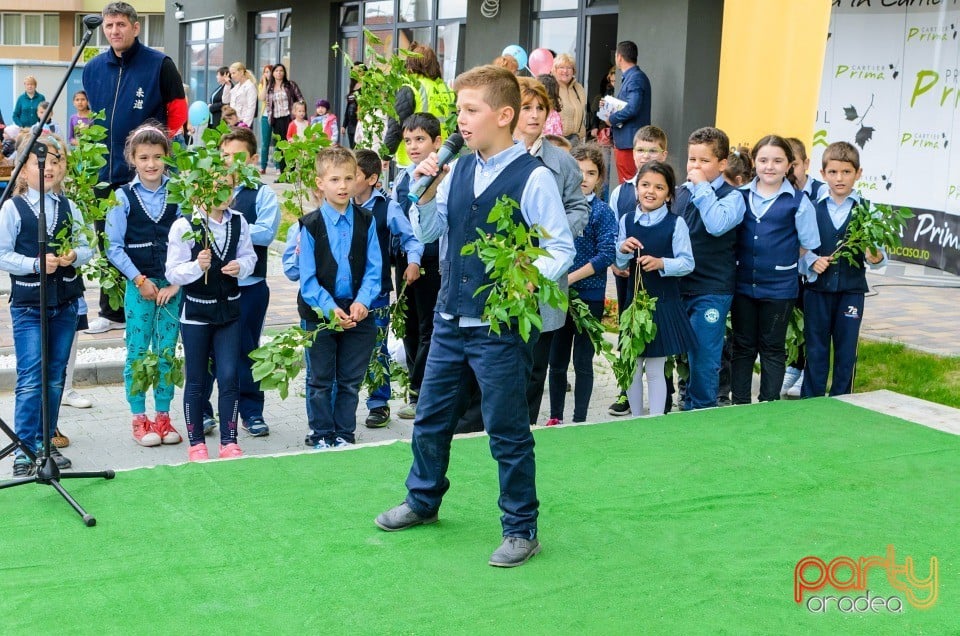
(656, 385)
(71, 362)
(635, 392)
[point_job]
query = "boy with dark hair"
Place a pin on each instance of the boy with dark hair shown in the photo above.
(488, 102)
(421, 136)
(339, 266)
(834, 291)
(712, 209)
(390, 222)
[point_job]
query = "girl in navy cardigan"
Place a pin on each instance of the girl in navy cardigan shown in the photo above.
(596, 248)
(779, 228)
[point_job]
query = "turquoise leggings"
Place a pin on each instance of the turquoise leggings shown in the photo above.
(150, 327)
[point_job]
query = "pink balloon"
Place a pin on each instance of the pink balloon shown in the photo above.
(540, 61)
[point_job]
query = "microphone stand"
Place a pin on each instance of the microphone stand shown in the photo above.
(47, 471)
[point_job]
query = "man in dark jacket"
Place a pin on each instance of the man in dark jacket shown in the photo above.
(624, 124)
(216, 100)
(133, 84)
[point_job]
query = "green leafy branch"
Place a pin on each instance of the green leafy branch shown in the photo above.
(378, 79)
(637, 330)
(795, 338)
(880, 225)
(145, 371)
(585, 322)
(300, 158)
(279, 361)
(508, 255)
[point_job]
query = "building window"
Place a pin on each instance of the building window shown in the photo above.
(203, 52)
(30, 29)
(272, 39)
(151, 32)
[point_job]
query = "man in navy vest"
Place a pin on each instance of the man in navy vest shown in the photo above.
(132, 83)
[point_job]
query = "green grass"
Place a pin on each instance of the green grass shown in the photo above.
(897, 368)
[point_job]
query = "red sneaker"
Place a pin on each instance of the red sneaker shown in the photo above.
(163, 428)
(230, 451)
(143, 433)
(554, 421)
(198, 453)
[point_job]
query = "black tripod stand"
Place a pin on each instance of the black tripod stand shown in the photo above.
(47, 471)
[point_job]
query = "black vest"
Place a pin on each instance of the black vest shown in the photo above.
(841, 276)
(146, 240)
(460, 276)
(327, 265)
(64, 285)
(716, 268)
(216, 301)
(245, 202)
(383, 237)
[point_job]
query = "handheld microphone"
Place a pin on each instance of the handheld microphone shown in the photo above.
(92, 21)
(451, 148)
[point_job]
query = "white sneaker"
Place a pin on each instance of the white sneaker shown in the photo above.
(77, 401)
(790, 378)
(101, 325)
(794, 391)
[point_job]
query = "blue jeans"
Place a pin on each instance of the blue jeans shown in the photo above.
(502, 366)
(62, 324)
(339, 357)
(199, 343)
(708, 317)
(380, 310)
(265, 140)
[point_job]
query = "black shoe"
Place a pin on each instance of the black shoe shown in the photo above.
(620, 407)
(400, 518)
(62, 462)
(378, 418)
(514, 551)
(22, 467)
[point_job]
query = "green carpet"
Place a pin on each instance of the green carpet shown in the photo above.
(684, 524)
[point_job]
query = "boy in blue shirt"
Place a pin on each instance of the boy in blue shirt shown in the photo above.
(488, 103)
(390, 222)
(834, 289)
(340, 268)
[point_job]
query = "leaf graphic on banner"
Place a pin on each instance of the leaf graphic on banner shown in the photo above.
(820, 138)
(864, 135)
(850, 113)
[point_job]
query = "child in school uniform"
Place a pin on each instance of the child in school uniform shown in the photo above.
(19, 249)
(260, 208)
(834, 289)
(138, 229)
(488, 102)
(712, 209)
(793, 377)
(649, 144)
(421, 136)
(390, 222)
(339, 265)
(778, 231)
(596, 249)
(655, 244)
(210, 316)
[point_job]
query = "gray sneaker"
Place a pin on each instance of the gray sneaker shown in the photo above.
(514, 551)
(408, 412)
(62, 462)
(400, 518)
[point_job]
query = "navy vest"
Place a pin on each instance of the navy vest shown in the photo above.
(64, 285)
(657, 240)
(327, 265)
(245, 202)
(840, 276)
(768, 249)
(626, 199)
(403, 189)
(383, 237)
(127, 88)
(716, 268)
(216, 301)
(146, 240)
(460, 276)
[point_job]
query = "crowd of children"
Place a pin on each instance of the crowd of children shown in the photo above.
(746, 233)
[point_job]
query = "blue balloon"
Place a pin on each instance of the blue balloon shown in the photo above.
(199, 113)
(516, 52)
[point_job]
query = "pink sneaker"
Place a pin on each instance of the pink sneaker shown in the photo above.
(163, 428)
(553, 421)
(230, 451)
(198, 453)
(143, 433)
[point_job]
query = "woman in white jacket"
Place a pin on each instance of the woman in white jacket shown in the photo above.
(243, 95)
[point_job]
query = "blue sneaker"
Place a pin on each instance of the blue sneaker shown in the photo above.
(341, 443)
(22, 467)
(209, 425)
(256, 426)
(322, 445)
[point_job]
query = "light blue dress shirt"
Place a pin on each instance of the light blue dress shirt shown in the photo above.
(264, 229)
(682, 262)
(398, 224)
